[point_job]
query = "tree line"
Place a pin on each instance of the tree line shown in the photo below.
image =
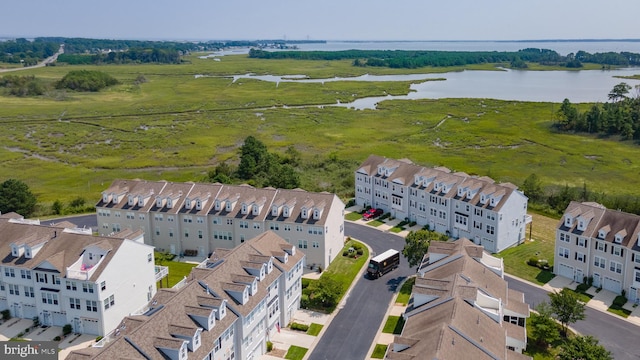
(134, 55)
(620, 116)
(417, 59)
(26, 52)
(553, 200)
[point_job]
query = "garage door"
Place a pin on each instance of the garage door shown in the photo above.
(91, 326)
(489, 245)
(29, 311)
(565, 271)
(612, 285)
(59, 318)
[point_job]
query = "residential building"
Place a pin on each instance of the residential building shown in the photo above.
(64, 275)
(462, 308)
(460, 205)
(192, 219)
(226, 309)
(602, 244)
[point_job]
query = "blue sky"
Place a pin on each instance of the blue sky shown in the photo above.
(326, 19)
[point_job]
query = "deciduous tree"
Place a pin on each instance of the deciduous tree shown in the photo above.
(584, 348)
(16, 196)
(567, 308)
(417, 244)
(543, 327)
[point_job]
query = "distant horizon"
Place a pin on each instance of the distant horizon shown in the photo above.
(13, 37)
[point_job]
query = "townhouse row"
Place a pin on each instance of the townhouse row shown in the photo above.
(63, 275)
(601, 244)
(462, 308)
(192, 219)
(229, 307)
(457, 204)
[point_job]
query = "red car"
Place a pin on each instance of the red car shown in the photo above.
(372, 214)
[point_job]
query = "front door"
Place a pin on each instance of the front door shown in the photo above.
(596, 280)
(579, 277)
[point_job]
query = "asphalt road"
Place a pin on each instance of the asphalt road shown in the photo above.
(354, 328)
(616, 335)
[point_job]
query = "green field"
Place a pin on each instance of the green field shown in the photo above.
(176, 127)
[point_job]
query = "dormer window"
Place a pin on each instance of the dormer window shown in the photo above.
(285, 211)
(304, 213)
(416, 180)
(380, 171)
(601, 234)
(14, 251)
(244, 209)
(27, 253)
(618, 238)
(493, 201)
(130, 200)
(169, 203)
(460, 191)
(581, 225)
(115, 199)
(274, 210)
(140, 201)
(228, 206)
(483, 199)
(105, 198)
(469, 195)
(198, 204)
(159, 202)
(187, 204)
(316, 214)
(568, 221)
(255, 210)
(217, 205)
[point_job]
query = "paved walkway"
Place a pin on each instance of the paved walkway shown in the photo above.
(13, 327)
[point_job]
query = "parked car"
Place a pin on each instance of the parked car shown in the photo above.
(372, 214)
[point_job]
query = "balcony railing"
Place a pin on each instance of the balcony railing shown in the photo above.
(161, 272)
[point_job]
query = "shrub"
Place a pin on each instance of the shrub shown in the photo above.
(620, 301)
(299, 327)
(345, 253)
(359, 252)
(582, 288)
(20, 335)
(269, 346)
(86, 80)
(533, 261)
(304, 301)
(305, 283)
(57, 338)
(320, 269)
(98, 338)
(6, 314)
(67, 329)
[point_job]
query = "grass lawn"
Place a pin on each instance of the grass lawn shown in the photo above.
(375, 223)
(379, 351)
(396, 229)
(617, 308)
(582, 296)
(177, 272)
(314, 329)
(393, 325)
(353, 216)
(405, 291)
(343, 269)
(542, 246)
(296, 353)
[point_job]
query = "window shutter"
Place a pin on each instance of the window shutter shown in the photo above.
(576, 241)
(622, 252)
(575, 256)
(633, 257)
